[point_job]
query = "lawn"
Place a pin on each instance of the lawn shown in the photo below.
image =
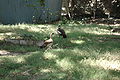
(90, 52)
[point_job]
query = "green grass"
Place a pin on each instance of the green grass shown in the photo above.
(91, 52)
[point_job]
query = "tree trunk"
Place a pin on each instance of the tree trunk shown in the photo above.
(95, 9)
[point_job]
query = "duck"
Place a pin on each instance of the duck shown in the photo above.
(61, 32)
(46, 43)
(115, 30)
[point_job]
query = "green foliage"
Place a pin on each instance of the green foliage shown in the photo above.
(92, 8)
(42, 2)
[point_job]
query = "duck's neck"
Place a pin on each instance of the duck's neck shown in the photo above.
(51, 36)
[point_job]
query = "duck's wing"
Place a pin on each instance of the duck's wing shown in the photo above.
(40, 43)
(48, 41)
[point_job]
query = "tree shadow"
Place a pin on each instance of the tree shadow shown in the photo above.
(8, 66)
(115, 73)
(66, 53)
(23, 34)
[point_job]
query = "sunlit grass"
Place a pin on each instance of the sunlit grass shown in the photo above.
(78, 41)
(104, 63)
(65, 64)
(49, 55)
(90, 52)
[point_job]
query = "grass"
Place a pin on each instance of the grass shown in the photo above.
(91, 52)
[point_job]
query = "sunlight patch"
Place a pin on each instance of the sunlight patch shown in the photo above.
(49, 55)
(111, 56)
(95, 31)
(115, 65)
(7, 34)
(47, 70)
(54, 73)
(3, 52)
(106, 64)
(34, 29)
(59, 49)
(20, 60)
(65, 64)
(60, 75)
(78, 41)
(79, 52)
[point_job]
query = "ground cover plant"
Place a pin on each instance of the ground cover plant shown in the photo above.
(90, 52)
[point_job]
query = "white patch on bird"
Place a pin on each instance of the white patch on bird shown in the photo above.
(59, 32)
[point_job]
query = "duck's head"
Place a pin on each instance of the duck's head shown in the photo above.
(51, 34)
(59, 26)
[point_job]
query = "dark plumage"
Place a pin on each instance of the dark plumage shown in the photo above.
(115, 30)
(61, 32)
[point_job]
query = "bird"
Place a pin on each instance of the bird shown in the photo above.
(115, 30)
(61, 32)
(45, 43)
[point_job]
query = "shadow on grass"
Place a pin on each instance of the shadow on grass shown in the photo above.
(115, 73)
(22, 34)
(89, 40)
(8, 66)
(64, 61)
(40, 67)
